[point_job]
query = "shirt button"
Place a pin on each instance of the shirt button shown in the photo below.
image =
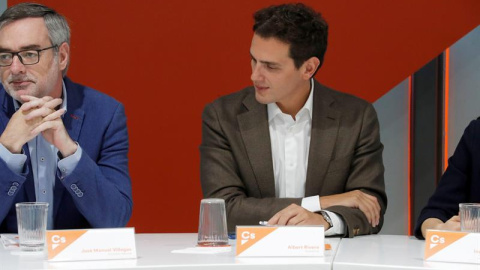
(64, 170)
(44, 191)
(42, 159)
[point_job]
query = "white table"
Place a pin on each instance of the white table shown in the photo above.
(387, 252)
(154, 252)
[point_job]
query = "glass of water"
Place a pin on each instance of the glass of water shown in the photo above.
(32, 225)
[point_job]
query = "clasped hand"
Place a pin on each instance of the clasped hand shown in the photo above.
(35, 116)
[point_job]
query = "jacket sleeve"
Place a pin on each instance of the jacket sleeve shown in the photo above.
(366, 174)
(101, 189)
(454, 184)
(11, 184)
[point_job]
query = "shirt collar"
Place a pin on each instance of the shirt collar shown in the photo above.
(17, 105)
(274, 110)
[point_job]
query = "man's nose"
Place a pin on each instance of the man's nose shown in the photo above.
(256, 73)
(17, 66)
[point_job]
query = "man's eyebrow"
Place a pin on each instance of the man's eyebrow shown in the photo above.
(265, 62)
(30, 47)
(23, 48)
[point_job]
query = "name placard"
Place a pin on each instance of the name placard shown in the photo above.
(451, 246)
(91, 244)
(280, 241)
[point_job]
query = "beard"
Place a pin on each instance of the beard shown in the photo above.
(33, 84)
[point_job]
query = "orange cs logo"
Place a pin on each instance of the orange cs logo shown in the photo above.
(57, 240)
(436, 240)
(246, 235)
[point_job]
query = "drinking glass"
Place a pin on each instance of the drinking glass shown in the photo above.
(32, 225)
(212, 225)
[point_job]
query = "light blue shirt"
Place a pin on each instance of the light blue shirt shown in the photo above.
(45, 162)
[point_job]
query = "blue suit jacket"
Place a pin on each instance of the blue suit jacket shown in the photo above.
(98, 123)
(461, 181)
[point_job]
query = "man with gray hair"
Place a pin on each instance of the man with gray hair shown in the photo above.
(61, 142)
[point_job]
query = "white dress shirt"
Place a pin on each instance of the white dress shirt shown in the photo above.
(290, 141)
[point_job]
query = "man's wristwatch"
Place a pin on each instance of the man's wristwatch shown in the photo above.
(327, 218)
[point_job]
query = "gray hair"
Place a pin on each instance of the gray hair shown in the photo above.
(57, 26)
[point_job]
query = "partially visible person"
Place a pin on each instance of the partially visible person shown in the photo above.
(459, 184)
(61, 142)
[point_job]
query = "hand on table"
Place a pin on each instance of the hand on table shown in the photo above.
(367, 203)
(453, 224)
(297, 215)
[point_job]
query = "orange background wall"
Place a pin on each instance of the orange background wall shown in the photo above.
(164, 60)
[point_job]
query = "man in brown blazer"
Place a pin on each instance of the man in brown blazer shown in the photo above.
(289, 150)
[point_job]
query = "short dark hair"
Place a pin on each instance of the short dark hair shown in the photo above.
(300, 26)
(57, 25)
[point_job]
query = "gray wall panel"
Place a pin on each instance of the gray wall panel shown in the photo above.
(392, 110)
(464, 85)
(3, 5)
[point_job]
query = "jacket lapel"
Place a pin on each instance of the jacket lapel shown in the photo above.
(325, 124)
(255, 134)
(72, 120)
(7, 107)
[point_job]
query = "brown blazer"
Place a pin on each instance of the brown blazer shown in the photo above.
(345, 154)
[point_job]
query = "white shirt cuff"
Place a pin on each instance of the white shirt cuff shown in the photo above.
(338, 225)
(312, 203)
(15, 162)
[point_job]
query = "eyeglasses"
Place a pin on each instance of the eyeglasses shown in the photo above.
(26, 57)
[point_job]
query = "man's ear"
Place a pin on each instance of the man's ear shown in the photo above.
(64, 54)
(309, 67)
